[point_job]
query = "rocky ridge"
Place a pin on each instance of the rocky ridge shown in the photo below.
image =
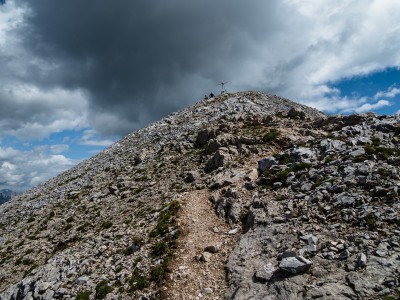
(310, 203)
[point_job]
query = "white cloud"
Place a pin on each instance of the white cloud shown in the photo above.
(11, 17)
(324, 42)
(31, 109)
(339, 104)
(371, 107)
(60, 148)
(32, 114)
(91, 138)
(390, 93)
(20, 170)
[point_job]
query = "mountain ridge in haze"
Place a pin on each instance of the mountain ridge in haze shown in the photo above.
(6, 195)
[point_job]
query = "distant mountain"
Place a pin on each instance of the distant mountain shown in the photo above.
(6, 195)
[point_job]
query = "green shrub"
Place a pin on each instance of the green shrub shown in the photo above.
(24, 261)
(84, 295)
(381, 152)
(384, 153)
(282, 175)
(106, 225)
(271, 135)
(371, 221)
(137, 240)
(361, 158)
(138, 281)
(284, 159)
(102, 289)
(375, 141)
(330, 158)
(383, 172)
(159, 249)
(158, 273)
(300, 166)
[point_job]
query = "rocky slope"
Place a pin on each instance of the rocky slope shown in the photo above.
(243, 196)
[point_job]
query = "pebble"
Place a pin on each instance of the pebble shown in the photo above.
(205, 256)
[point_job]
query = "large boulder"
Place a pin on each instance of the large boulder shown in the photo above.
(204, 136)
(266, 163)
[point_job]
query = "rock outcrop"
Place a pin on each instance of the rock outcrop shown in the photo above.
(310, 200)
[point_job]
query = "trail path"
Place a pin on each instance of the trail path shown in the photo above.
(191, 278)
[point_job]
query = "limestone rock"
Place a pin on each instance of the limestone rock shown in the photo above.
(295, 265)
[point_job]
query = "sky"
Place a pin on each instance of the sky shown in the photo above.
(77, 75)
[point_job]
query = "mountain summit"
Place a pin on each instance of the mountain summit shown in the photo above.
(241, 196)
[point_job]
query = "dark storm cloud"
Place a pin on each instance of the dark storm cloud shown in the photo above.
(139, 60)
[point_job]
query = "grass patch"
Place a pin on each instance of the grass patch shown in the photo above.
(166, 220)
(269, 179)
(164, 248)
(24, 261)
(380, 151)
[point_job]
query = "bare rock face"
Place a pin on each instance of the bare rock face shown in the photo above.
(312, 201)
(323, 229)
(218, 160)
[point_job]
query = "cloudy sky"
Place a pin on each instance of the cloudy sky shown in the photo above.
(77, 75)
